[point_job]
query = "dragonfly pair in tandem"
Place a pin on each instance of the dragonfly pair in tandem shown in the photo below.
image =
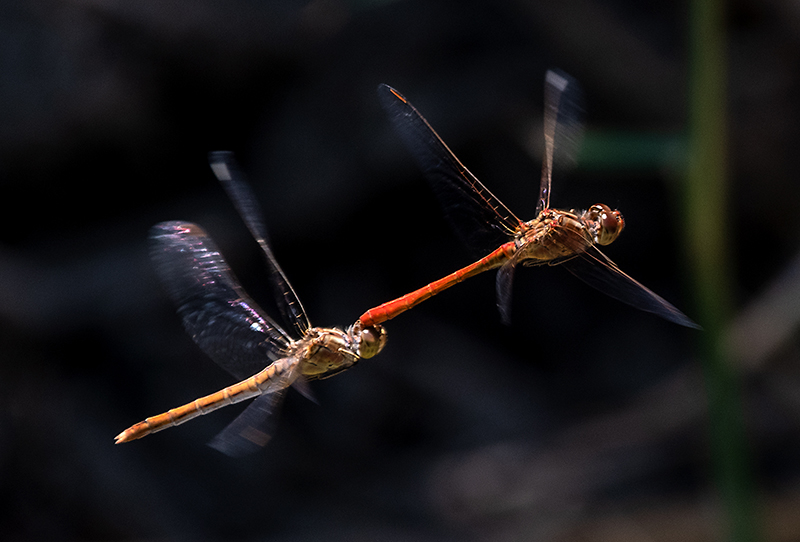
(240, 337)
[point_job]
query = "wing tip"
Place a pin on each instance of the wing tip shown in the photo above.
(247, 443)
(557, 79)
(385, 92)
(685, 321)
(222, 162)
(172, 227)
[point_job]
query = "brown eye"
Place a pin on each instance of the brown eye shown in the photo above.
(609, 220)
(610, 223)
(619, 222)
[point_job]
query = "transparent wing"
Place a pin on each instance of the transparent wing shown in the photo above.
(597, 270)
(477, 215)
(233, 180)
(253, 428)
(503, 284)
(563, 129)
(256, 425)
(219, 316)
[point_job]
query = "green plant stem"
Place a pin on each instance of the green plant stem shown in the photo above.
(707, 236)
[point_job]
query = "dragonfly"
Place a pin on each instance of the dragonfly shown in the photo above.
(567, 238)
(237, 334)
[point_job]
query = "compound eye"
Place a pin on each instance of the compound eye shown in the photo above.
(611, 223)
(373, 339)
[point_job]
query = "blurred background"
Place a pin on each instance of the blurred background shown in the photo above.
(583, 420)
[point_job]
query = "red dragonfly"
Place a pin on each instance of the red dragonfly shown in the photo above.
(567, 238)
(228, 326)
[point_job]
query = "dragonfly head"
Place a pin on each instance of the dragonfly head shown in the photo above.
(371, 339)
(605, 224)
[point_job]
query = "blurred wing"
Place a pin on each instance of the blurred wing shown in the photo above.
(224, 322)
(597, 270)
(503, 284)
(253, 428)
(233, 180)
(482, 221)
(563, 129)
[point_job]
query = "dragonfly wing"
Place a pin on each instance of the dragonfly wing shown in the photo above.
(505, 281)
(216, 312)
(563, 128)
(477, 215)
(253, 428)
(597, 270)
(235, 184)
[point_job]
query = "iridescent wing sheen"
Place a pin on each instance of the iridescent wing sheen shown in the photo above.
(235, 184)
(562, 129)
(216, 312)
(598, 271)
(477, 215)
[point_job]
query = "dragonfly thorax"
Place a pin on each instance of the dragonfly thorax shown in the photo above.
(326, 351)
(554, 235)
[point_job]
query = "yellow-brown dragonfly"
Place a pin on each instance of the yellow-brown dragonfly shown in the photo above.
(233, 331)
(567, 238)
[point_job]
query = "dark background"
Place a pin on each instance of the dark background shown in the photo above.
(583, 420)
